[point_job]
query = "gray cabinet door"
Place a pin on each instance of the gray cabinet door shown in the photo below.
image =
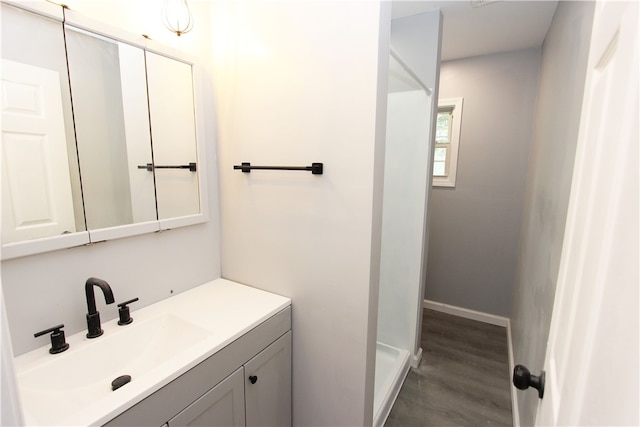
(223, 405)
(268, 385)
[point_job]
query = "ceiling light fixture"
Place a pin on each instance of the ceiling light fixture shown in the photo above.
(176, 16)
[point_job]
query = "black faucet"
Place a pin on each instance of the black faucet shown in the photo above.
(93, 317)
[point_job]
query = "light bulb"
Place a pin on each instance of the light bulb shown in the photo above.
(177, 17)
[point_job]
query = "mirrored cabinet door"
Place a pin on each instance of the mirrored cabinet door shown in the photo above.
(41, 194)
(173, 133)
(99, 133)
(109, 91)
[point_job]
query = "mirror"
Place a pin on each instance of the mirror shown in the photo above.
(123, 119)
(109, 91)
(41, 195)
(173, 131)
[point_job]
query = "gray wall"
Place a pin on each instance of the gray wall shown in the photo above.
(562, 75)
(475, 227)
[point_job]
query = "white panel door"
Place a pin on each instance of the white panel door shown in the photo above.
(36, 187)
(592, 360)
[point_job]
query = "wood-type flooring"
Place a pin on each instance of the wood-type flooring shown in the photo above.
(462, 380)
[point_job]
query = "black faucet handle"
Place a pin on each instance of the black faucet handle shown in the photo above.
(58, 342)
(124, 304)
(123, 311)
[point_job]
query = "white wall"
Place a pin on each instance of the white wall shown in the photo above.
(43, 290)
(475, 227)
(562, 76)
(299, 83)
(10, 405)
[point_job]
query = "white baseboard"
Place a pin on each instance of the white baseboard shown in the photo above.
(467, 313)
(416, 358)
(493, 320)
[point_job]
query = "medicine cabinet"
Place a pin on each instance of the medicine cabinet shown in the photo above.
(100, 133)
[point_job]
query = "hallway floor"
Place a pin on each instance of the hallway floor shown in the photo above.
(463, 378)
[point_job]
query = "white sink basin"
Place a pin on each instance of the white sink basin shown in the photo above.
(82, 375)
(165, 340)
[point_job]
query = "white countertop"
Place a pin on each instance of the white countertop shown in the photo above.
(217, 312)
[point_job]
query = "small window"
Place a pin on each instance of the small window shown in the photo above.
(445, 157)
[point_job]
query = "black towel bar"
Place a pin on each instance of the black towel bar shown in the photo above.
(150, 167)
(315, 168)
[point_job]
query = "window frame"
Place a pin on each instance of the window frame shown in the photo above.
(455, 105)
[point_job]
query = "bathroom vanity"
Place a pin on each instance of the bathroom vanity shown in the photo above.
(218, 354)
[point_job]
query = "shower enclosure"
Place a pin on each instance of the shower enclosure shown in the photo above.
(407, 183)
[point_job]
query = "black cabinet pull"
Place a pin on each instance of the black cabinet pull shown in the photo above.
(253, 379)
(150, 167)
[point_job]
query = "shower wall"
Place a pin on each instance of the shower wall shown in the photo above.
(408, 157)
(407, 175)
(406, 171)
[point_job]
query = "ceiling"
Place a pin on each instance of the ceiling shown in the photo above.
(496, 26)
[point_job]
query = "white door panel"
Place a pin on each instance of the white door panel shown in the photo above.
(36, 188)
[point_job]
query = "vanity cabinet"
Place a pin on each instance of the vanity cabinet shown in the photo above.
(257, 394)
(248, 382)
(267, 392)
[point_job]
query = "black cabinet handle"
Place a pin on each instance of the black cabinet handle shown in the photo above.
(253, 379)
(523, 379)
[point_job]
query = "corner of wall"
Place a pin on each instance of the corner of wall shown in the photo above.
(560, 91)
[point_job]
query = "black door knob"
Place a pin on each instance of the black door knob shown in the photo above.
(523, 379)
(253, 379)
